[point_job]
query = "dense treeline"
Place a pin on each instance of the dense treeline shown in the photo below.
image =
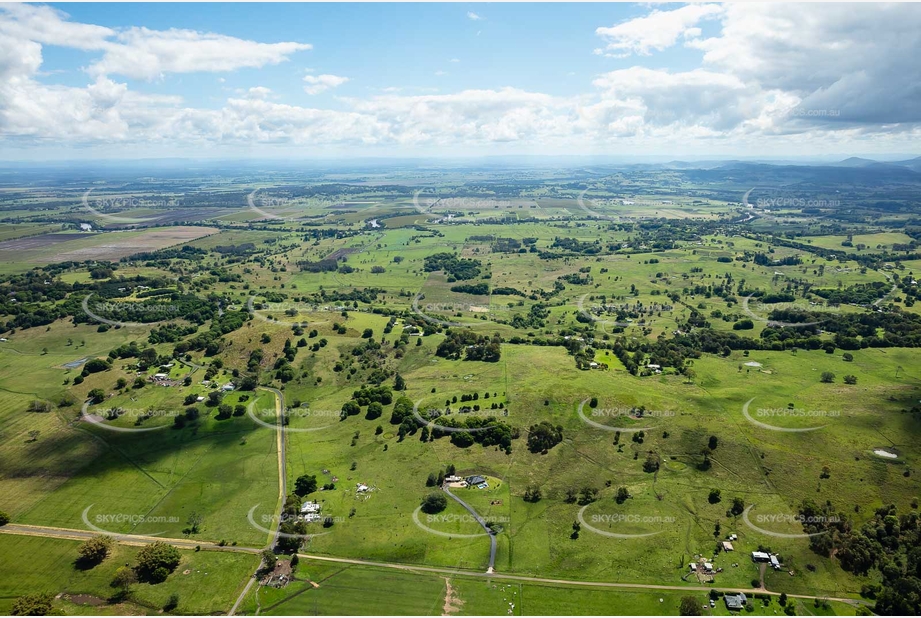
(466, 344)
(457, 269)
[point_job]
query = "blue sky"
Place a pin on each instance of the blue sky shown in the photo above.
(447, 79)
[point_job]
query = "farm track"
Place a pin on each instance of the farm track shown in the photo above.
(282, 487)
(482, 522)
(138, 540)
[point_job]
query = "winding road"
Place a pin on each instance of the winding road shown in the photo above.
(482, 522)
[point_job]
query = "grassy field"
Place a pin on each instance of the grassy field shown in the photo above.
(206, 582)
(140, 474)
(324, 589)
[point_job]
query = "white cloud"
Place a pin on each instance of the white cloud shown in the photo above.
(140, 52)
(321, 83)
(656, 31)
(147, 54)
(763, 62)
(474, 16)
(857, 59)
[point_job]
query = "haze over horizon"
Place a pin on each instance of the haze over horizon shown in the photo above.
(671, 81)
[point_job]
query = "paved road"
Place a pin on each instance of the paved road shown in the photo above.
(482, 522)
(131, 539)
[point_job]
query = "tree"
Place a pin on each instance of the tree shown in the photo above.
(375, 409)
(4, 518)
(622, 495)
(32, 605)
(532, 494)
(124, 578)
(95, 549)
(305, 484)
(434, 503)
(689, 606)
(783, 599)
(738, 507)
(96, 395)
(849, 379)
(367, 333)
(156, 561)
(171, 603)
(712, 443)
(827, 377)
(268, 559)
(714, 496)
(544, 436)
(294, 561)
(399, 384)
(193, 522)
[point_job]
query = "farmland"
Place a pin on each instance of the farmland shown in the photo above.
(639, 373)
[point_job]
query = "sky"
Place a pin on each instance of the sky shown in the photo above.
(221, 80)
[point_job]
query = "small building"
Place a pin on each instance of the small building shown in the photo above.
(200, 398)
(727, 546)
(453, 479)
(310, 507)
(475, 480)
(693, 567)
(775, 563)
(708, 567)
(735, 600)
(760, 556)
(362, 488)
(160, 376)
(228, 387)
(86, 227)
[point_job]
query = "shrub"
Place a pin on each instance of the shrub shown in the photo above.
(434, 503)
